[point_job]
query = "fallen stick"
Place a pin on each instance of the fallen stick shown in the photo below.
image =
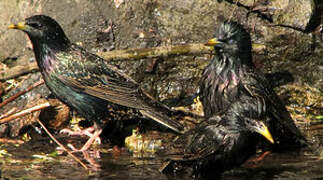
(8, 113)
(135, 54)
(40, 82)
(25, 112)
(130, 54)
(60, 144)
(37, 108)
(165, 51)
(11, 141)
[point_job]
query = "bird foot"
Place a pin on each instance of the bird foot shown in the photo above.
(90, 158)
(253, 162)
(86, 146)
(261, 157)
(86, 132)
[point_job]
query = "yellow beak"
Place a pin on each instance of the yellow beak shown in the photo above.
(265, 132)
(255, 46)
(20, 26)
(212, 42)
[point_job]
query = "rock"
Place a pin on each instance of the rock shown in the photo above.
(293, 13)
(297, 14)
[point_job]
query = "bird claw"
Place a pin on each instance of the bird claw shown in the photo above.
(93, 137)
(67, 131)
(73, 148)
(86, 132)
(98, 140)
(95, 154)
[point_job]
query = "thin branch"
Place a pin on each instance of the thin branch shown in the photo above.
(37, 108)
(11, 141)
(61, 145)
(25, 112)
(127, 55)
(131, 54)
(166, 51)
(40, 82)
(8, 113)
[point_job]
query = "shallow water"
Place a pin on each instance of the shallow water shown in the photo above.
(21, 163)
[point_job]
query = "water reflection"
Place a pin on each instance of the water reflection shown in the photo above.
(19, 163)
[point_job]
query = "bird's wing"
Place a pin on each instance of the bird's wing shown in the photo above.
(200, 142)
(92, 75)
(112, 92)
(258, 87)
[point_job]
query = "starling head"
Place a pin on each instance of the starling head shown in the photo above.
(232, 40)
(43, 29)
(258, 127)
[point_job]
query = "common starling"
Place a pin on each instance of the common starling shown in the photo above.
(85, 82)
(231, 74)
(221, 142)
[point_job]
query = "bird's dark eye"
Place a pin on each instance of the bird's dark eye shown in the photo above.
(35, 25)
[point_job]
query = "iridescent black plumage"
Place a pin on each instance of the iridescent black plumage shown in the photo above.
(221, 142)
(86, 82)
(231, 74)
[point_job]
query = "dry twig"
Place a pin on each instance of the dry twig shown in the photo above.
(24, 112)
(166, 51)
(130, 54)
(8, 113)
(61, 145)
(11, 141)
(40, 82)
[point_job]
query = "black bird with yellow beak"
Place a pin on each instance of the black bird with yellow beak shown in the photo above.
(232, 75)
(220, 143)
(86, 82)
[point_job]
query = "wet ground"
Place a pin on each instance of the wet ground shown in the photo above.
(38, 159)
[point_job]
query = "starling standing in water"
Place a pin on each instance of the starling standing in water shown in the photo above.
(231, 75)
(86, 82)
(219, 143)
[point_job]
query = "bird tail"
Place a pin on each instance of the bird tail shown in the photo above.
(163, 119)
